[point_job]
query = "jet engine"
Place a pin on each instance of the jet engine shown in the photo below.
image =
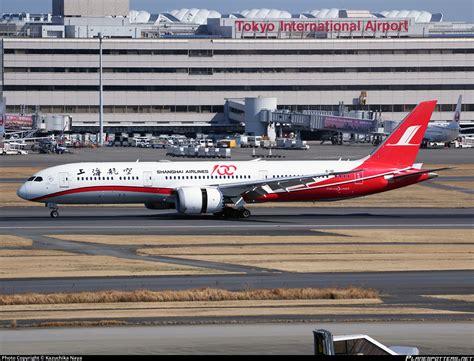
(196, 200)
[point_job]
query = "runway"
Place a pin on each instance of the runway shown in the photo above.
(264, 221)
(297, 339)
(400, 285)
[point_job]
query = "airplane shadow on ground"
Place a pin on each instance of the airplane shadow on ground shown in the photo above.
(255, 218)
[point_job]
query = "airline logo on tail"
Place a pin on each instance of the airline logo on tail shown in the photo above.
(457, 111)
(457, 116)
(408, 136)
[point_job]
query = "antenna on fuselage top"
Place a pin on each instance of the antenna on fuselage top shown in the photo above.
(137, 160)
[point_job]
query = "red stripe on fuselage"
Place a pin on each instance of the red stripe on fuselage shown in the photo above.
(150, 190)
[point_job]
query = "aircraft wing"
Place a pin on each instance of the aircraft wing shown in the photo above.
(256, 189)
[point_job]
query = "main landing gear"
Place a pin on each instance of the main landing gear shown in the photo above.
(54, 210)
(229, 212)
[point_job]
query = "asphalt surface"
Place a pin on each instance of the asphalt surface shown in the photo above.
(400, 285)
(316, 152)
(264, 221)
(431, 338)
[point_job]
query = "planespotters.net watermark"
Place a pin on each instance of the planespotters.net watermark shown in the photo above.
(439, 358)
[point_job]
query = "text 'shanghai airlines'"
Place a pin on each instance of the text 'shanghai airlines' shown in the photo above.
(223, 188)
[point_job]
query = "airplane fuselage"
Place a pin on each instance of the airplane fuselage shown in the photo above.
(210, 187)
(155, 182)
(440, 133)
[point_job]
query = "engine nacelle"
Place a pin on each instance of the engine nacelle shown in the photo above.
(196, 200)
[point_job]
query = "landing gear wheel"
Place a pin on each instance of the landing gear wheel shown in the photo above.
(54, 214)
(230, 213)
(245, 213)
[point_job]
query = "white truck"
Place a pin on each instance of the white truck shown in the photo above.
(141, 142)
(14, 148)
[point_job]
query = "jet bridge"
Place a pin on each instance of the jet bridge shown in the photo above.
(262, 118)
(361, 122)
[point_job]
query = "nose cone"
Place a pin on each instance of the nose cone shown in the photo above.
(22, 192)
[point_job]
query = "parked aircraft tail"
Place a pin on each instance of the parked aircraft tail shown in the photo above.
(457, 114)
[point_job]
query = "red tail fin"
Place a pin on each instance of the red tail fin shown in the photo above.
(401, 147)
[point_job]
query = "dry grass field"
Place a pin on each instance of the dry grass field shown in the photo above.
(458, 170)
(463, 298)
(196, 295)
(339, 251)
(171, 311)
(325, 236)
(364, 261)
(18, 172)
(7, 240)
(33, 263)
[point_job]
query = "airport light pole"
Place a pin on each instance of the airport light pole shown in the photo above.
(101, 95)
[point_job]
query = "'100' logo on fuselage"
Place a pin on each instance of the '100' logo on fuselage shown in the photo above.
(224, 169)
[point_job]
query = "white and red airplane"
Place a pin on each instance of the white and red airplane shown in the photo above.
(223, 188)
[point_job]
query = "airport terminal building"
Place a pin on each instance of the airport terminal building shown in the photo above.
(170, 72)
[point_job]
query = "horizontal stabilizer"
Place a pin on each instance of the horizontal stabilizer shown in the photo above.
(423, 171)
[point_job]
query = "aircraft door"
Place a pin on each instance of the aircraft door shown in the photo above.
(263, 174)
(359, 178)
(64, 180)
(147, 179)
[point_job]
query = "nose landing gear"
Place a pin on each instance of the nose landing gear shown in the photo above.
(54, 210)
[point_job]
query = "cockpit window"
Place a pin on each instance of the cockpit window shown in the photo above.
(39, 179)
(30, 179)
